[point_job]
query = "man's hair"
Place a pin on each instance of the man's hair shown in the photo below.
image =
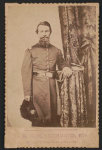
(45, 23)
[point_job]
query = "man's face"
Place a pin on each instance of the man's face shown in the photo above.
(44, 33)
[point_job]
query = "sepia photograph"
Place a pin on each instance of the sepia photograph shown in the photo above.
(51, 74)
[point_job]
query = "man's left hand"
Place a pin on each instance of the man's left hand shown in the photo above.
(67, 72)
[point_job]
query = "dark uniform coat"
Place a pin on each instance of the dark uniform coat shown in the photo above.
(43, 89)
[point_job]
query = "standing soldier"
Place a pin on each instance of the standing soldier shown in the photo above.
(39, 74)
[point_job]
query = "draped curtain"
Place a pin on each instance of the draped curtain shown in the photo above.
(78, 99)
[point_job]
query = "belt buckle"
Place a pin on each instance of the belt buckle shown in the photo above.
(49, 74)
(43, 74)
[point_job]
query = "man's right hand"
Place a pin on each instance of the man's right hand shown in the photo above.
(27, 98)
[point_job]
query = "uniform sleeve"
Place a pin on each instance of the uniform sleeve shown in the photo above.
(60, 61)
(26, 72)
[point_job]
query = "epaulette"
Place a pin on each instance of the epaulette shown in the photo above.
(30, 47)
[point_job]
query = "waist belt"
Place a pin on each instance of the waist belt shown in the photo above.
(45, 74)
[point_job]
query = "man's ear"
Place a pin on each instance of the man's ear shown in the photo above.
(50, 33)
(36, 31)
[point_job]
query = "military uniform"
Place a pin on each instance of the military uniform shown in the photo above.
(38, 71)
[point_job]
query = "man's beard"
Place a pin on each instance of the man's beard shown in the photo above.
(44, 41)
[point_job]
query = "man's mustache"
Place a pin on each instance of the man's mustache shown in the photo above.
(44, 37)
